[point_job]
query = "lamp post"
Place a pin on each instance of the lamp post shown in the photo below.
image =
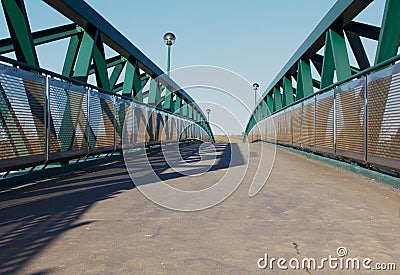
(255, 88)
(169, 39)
(208, 111)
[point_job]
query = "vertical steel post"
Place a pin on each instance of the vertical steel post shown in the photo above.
(46, 107)
(315, 121)
(115, 121)
(169, 60)
(88, 94)
(366, 118)
(334, 119)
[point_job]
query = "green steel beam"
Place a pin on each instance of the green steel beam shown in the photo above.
(110, 62)
(358, 51)
(185, 108)
(167, 105)
(85, 55)
(287, 97)
(43, 37)
(277, 100)
(20, 31)
(72, 53)
(138, 83)
(363, 30)
(100, 66)
(154, 92)
(304, 80)
(335, 57)
(178, 104)
(190, 111)
(389, 37)
(116, 74)
(270, 103)
(127, 86)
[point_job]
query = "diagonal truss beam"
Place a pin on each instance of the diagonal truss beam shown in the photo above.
(43, 37)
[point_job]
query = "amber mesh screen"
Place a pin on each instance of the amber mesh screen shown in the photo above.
(324, 121)
(21, 117)
(101, 120)
(278, 123)
(350, 120)
(288, 126)
(296, 126)
(384, 117)
(307, 126)
(121, 110)
(68, 110)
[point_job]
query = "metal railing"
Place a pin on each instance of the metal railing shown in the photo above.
(357, 119)
(46, 118)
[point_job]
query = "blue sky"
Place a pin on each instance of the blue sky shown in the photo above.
(252, 38)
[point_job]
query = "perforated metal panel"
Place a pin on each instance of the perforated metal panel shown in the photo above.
(121, 110)
(350, 120)
(307, 125)
(21, 114)
(384, 118)
(101, 120)
(68, 113)
(324, 122)
(296, 126)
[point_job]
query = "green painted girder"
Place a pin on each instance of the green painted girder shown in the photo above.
(154, 92)
(116, 73)
(304, 80)
(139, 81)
(178, 104)
(110, 62)
(264, 107)
(190, 111)
(270, 103)
(358, 51)
(317, 60)
(43, 37)
(99, 62)
(335, 58)
(127, 85)
(277, 100)
(85, 55)
(389, 37)
(72, 54)
(20, 31)
(287, 97)
(185, 108)
(363, 30)
(168, 102)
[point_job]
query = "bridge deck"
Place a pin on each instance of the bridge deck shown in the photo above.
(96, 220)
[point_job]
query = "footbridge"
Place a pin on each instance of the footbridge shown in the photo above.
(110, 166)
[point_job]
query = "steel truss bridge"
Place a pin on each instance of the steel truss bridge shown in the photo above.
(68, 204)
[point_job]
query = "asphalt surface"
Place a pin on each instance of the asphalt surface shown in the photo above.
(96, 221)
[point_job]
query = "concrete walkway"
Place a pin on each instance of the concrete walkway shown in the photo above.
(96, 221)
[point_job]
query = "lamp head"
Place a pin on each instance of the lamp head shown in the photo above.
(169, 38)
